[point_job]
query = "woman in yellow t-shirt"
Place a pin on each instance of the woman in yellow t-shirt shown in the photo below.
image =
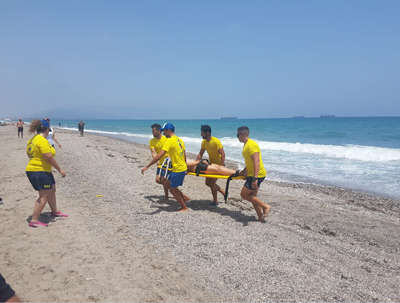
(41, 160)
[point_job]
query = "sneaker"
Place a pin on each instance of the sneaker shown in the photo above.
(37, 224)
(214, 204)
(58, 214)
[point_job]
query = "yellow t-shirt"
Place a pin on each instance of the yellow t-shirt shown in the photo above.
(157, 145)
(250, 148)
(175, 147)
(36, 147)
(212, 148)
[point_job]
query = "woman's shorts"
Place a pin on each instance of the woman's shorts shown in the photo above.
(41, 179)
(177, 179)
(249, 180)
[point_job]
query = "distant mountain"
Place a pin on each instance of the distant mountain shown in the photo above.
(78, 114)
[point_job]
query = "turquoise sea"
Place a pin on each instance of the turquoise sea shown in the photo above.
(360, 153)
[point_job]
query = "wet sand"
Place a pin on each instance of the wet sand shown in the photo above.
(319, 243)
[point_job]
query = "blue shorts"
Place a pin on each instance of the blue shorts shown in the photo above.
(41, 179)
(163, 172)
(249, 180)
(177, 179)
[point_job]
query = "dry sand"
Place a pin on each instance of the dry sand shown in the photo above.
(319, 243)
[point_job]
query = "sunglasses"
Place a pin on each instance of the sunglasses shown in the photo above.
(237, 136)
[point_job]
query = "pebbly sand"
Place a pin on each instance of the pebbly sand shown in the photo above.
(319, 243)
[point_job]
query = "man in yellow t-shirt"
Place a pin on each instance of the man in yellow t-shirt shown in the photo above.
(156, 144)
(254, 171)
(216, 155)
(176, 149)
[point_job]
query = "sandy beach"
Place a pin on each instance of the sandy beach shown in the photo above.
(319, 243)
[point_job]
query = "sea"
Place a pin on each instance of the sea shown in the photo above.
(360, 153)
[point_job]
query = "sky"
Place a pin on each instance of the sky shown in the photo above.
(154, 59)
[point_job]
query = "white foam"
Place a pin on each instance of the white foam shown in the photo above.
(352, 152)
(112, 133)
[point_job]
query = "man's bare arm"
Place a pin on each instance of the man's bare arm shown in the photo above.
(201, 153)
(222, 153)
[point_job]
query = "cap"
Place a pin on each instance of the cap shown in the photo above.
(167, 126)
(45, 123)
(47, 119)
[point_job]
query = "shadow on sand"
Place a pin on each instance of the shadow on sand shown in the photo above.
(171, 205)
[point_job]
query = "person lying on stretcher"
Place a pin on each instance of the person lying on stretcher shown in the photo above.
(204, 167)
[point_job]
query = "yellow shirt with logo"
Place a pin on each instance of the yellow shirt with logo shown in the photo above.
(212, 148)
(158, 145)
(36, 147)
(176, 147)
(250, 148)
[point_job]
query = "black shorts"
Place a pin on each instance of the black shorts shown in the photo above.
(41, 179)
(249, 180)
(201, 168)
(20, 129)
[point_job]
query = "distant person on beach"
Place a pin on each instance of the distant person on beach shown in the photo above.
(216, 155)
(204, 167)
(7, 294)
(176, 149)
(20, 127)
(81, 125)
(41, 159)
(51, 136)
(59, 124)
(156, 145)
(254, 171)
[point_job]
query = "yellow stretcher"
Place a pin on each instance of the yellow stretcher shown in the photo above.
(228, 179)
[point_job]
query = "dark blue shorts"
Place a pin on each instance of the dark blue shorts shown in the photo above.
(177, 179)
(249, 180)
(41, 179)
(163, 172)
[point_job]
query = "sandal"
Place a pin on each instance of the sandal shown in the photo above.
(37, 224)
(58, 214)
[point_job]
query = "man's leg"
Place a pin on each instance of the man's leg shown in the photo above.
(158, 179)
(176, 181)
(260, 207)
(166, 185)
(212, 184)
(179, 197)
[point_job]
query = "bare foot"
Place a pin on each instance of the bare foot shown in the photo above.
(186, 199)
(266, 211)
(262, 219)
(183, 209)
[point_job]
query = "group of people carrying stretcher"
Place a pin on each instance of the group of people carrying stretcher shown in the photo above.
(169, 152)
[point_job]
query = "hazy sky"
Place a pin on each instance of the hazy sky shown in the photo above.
(201, 59)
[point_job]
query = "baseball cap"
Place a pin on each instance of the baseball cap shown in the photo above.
(45, 123)
(47, 119)
(167, 126)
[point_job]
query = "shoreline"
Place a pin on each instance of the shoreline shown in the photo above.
(235, 164)
(319, 243)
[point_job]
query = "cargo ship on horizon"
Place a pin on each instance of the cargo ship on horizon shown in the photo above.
(222, 117)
